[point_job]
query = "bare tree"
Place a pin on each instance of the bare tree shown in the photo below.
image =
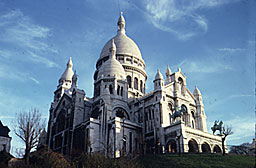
(28, 126)
(227, 130)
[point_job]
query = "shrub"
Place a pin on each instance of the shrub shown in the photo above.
(101, 161)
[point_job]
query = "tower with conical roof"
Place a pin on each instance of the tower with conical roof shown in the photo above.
(168, 75)
(159, 80)
(65, 81)
(200, 114)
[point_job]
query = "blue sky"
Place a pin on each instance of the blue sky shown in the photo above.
(212, 41)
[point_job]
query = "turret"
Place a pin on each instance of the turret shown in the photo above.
(200, 114)
(168, 74)
(67, 75)
(65, 81)
(74, 82)
(159, 80)
(197, 94)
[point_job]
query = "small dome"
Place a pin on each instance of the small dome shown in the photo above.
(158, 75)
(196, 91)
(112, 67)
(68, 73)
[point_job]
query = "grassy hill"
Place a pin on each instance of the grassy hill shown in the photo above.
(44, 158)
(197, 161)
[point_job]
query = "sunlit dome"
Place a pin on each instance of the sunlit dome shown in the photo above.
(68, 73)
(112, 67)
(124, 44)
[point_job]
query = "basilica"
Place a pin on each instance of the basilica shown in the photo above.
(121, 119)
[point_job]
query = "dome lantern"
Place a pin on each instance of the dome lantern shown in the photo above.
(121, 24)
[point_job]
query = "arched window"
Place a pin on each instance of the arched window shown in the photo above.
(136, 83)
(170, 106)
(122, 90)
(120, 112)
(141, 86)
(118, 90)
(129, 80)
(181, 84)
(193, 119)
(61, 121)
(184, 107)
(193, 114)
(184, 116)
(170, 117)
(110, 89)
(130, 140)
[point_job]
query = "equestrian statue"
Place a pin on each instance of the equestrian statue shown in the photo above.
(217, 126)
(178, 113)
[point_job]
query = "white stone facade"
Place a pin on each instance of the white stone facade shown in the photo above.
(121, 119)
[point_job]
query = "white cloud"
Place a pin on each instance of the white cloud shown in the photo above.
(11, 73)
(232, 50)
(204, 66)
(39, 59)
(35, 80)
(242, 127)
(5, 54)
(20, 32)
(180, 17)
(7, 117)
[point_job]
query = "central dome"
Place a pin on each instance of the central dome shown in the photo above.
(124, 44)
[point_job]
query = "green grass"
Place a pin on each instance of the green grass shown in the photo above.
(197, 161)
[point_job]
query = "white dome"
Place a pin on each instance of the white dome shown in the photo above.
(68, 73)
(112, 67)
(124, 46)
(159, 75)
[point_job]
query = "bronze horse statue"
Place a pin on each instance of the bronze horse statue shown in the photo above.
(217, 126)
(178, 113)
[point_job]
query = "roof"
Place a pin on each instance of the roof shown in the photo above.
(196, 91)
(112, 67)
(124, 44)
(159, 75)
(68, 73)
